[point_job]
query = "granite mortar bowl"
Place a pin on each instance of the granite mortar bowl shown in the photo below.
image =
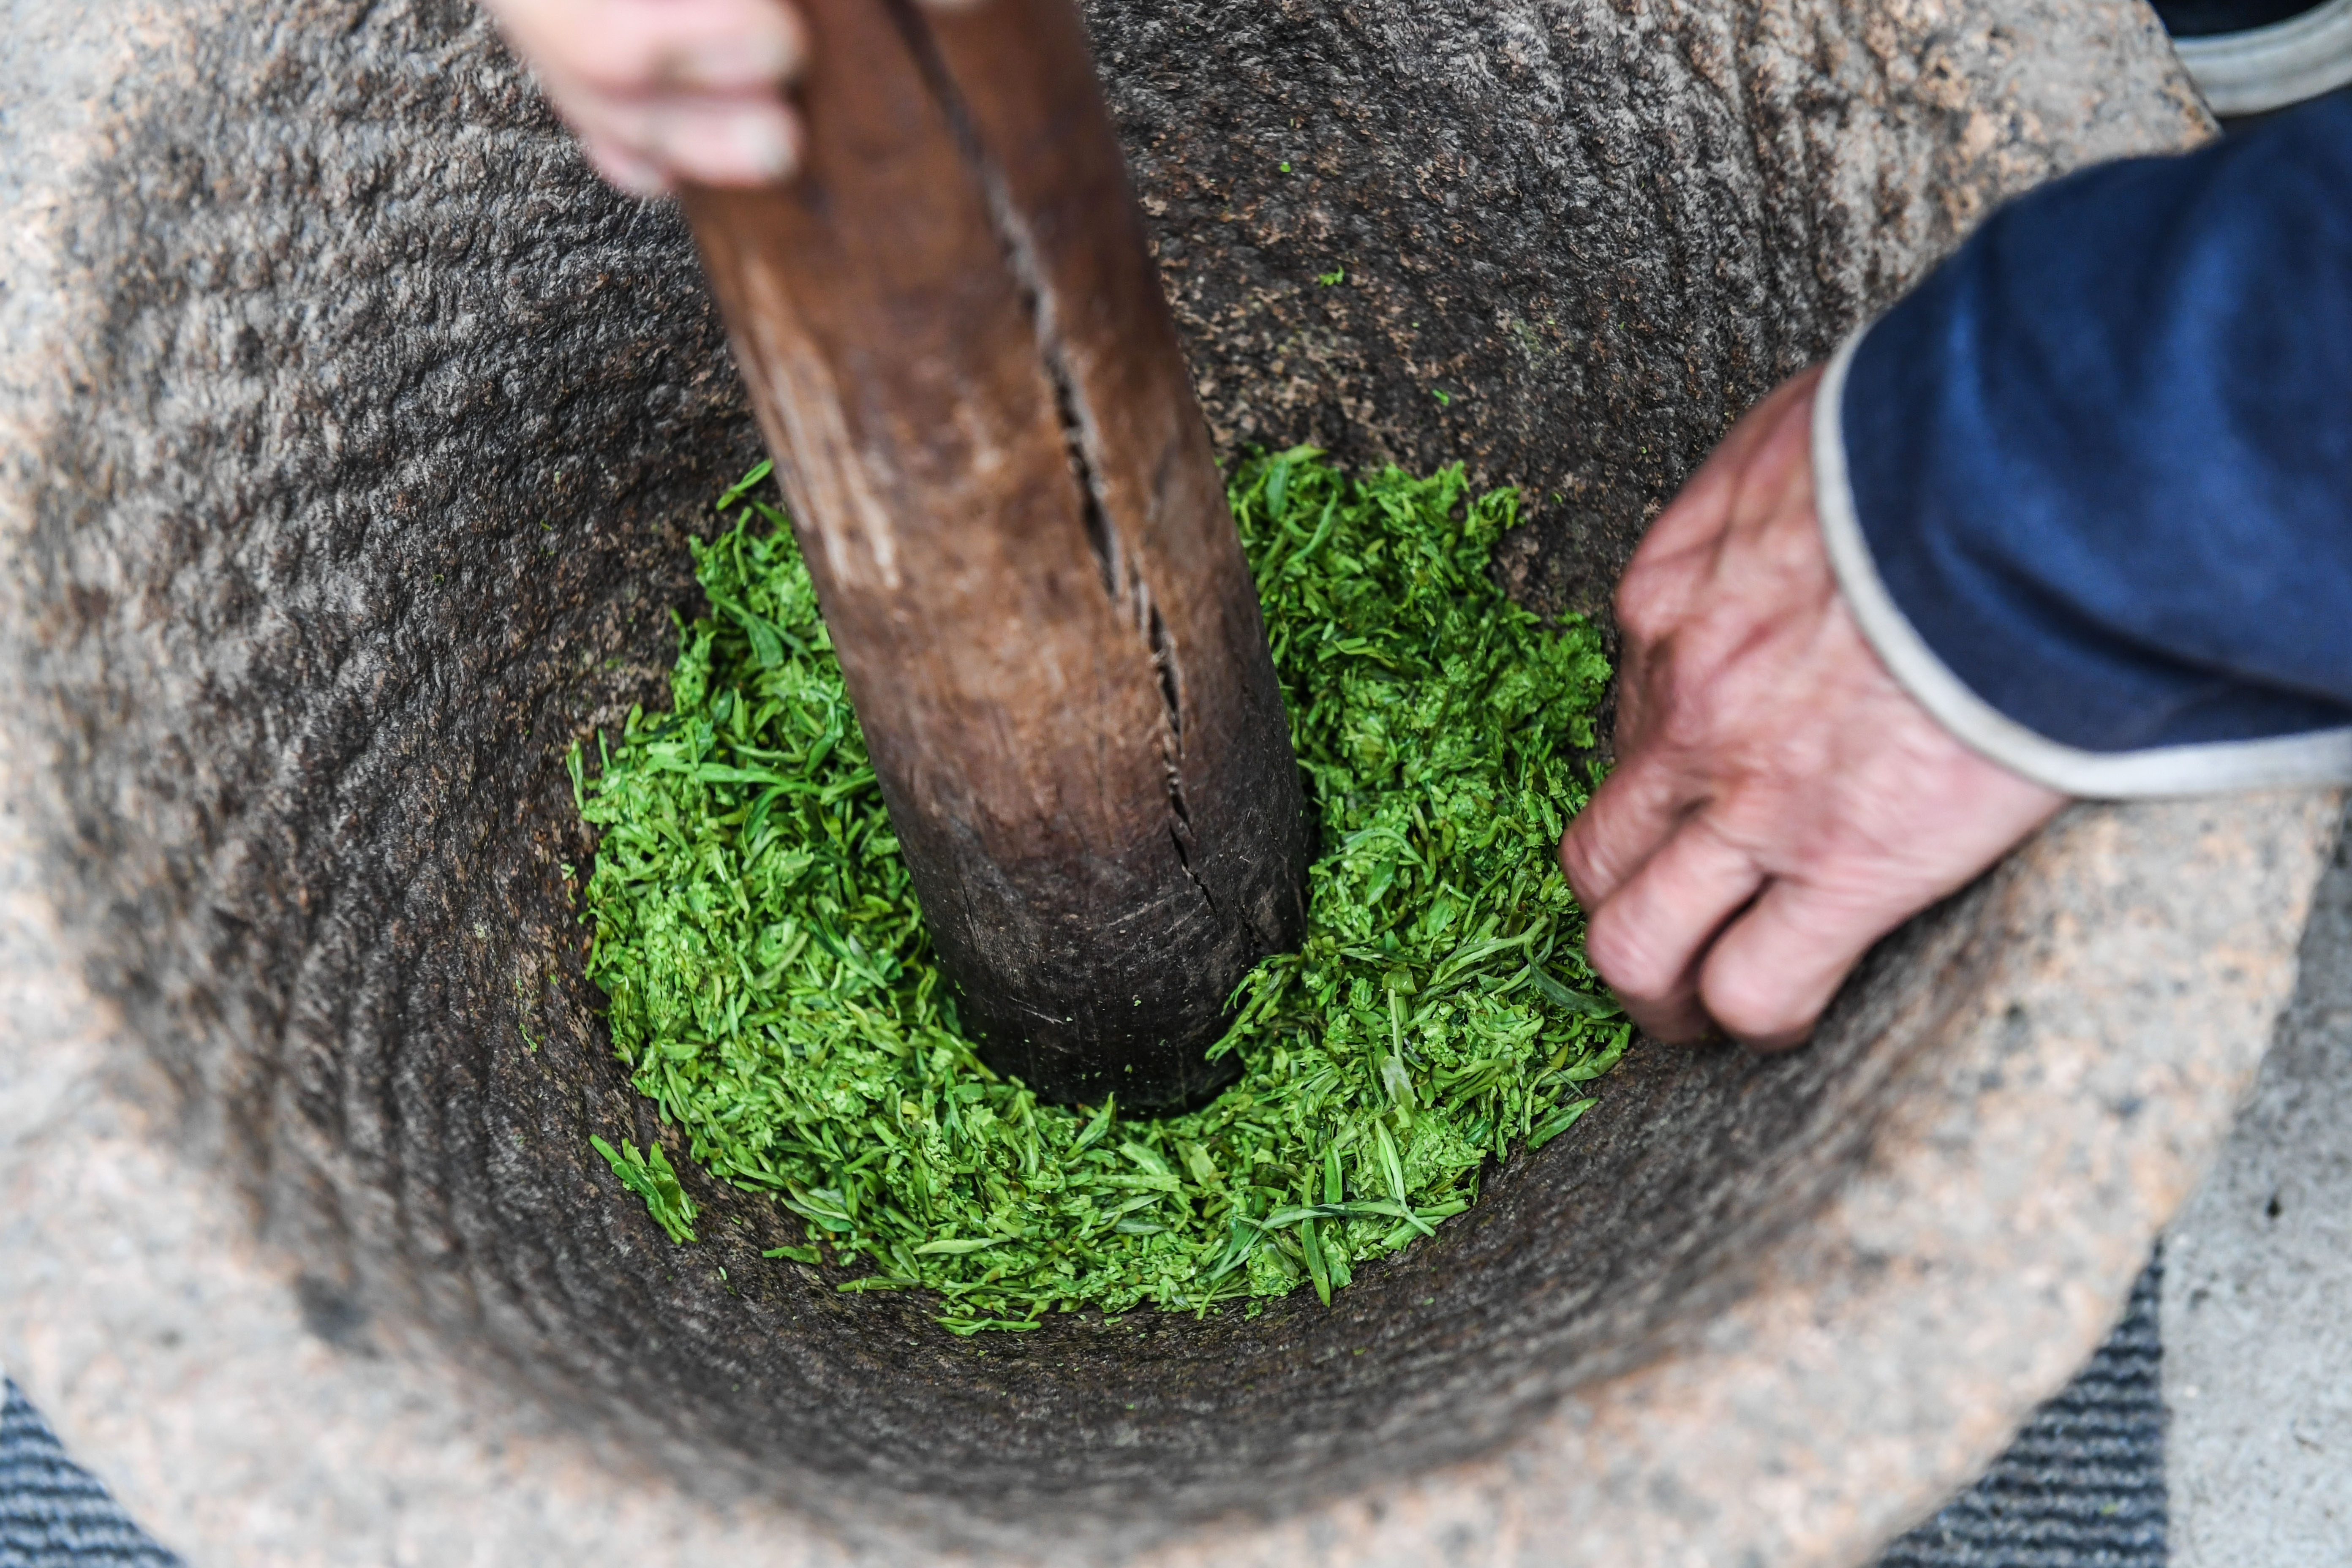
(354, 435)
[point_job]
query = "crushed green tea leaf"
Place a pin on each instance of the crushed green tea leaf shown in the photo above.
(773, 990)
(651, 1177)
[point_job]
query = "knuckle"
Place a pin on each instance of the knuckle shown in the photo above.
(1645, 606)
(1750, 1008)
(1681, 728)
(1580, 861)
(1681, 710)
(1766, 1004)
(1684, 720)
(1625, 955)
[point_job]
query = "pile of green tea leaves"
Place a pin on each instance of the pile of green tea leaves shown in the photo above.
(771, 987)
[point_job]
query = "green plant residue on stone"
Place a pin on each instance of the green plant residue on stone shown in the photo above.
(773, 992)
(650, 1175)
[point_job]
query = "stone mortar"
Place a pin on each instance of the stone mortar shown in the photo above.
(351, 437)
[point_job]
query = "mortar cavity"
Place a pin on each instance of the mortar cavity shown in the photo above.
(373, 504)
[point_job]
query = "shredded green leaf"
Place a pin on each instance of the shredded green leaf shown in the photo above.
(772, 989)
(651, 1177)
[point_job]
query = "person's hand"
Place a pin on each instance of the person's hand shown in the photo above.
(660, 90)
(1779, 801)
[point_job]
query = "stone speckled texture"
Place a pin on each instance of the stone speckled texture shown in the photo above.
(350, 432)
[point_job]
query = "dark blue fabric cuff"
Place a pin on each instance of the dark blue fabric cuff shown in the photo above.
(2100, 462)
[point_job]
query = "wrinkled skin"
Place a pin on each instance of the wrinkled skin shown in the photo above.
(1779, 801)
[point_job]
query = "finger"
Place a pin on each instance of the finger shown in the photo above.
(752, 142)
(1747, 478)
(1775, 969)
(1920, 818)
(1637, 810)
(749, 141)
(623, 169)
(644, 46)
(1647, 942)
(1693, 519)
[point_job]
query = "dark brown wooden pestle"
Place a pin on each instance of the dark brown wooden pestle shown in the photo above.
(955, 338)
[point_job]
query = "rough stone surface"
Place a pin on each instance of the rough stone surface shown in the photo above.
(1578, 239)
(2257, 1341)
(350, 433)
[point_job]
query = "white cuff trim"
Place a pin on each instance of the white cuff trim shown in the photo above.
(2320, 757)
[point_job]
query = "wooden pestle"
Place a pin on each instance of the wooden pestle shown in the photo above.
(954, 335)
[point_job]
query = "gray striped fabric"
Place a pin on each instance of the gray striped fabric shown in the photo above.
(53, 1513)
(2081, 1488)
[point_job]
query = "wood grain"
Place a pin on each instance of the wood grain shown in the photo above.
(955, 338)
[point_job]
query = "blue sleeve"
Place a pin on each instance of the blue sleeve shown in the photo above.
(2089, 488)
